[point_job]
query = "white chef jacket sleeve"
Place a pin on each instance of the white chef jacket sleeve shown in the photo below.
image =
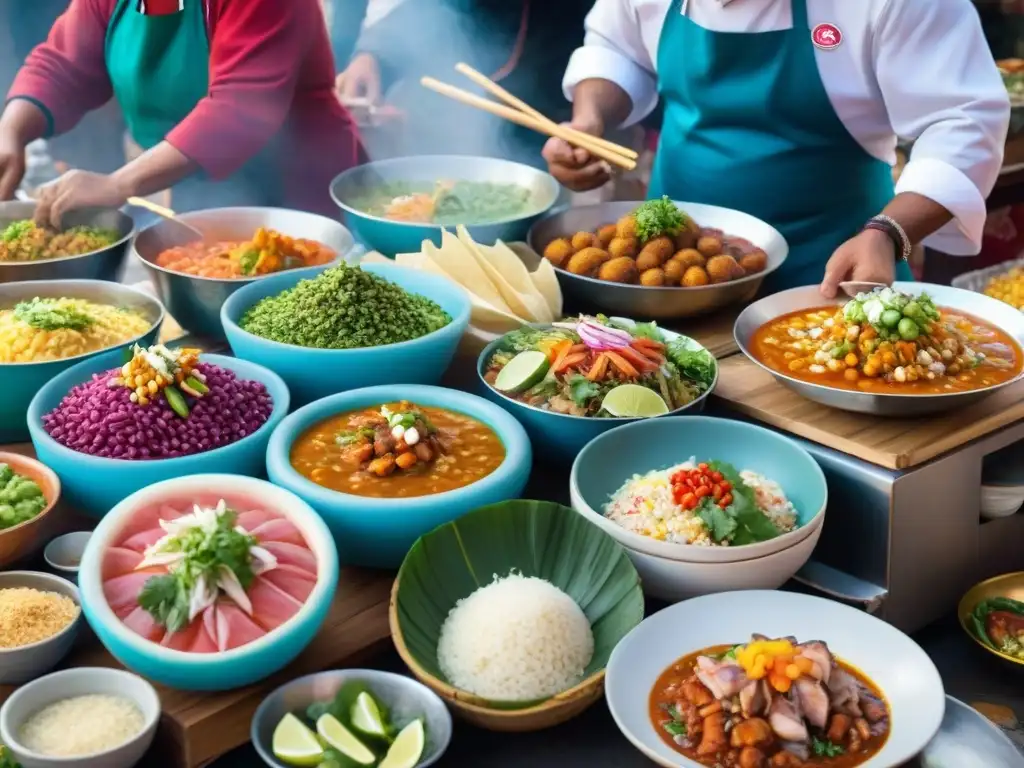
(613, 49)
(943, 91)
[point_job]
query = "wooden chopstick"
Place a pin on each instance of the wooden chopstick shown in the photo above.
(527, 121)
(159, 210)
(513, 101)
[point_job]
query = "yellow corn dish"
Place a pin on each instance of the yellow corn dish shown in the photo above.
(1008, 287)
(41, 330)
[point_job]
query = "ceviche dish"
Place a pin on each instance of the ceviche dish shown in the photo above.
(769, 704)
(267, 252)
(999, 624)
(445, 202)
(890, 342)
(598, 367)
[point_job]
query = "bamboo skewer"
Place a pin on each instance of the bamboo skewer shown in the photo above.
(165, 213)
(527, 121)
(513, 101)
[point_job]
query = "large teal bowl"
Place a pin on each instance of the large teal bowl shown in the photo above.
(393, 237)
(19, 382)
(563, 436)
(379, 532)
(94, 484)
(210, 671)
(315, 373)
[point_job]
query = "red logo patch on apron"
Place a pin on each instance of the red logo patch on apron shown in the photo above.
(826, 36)
(160, 7)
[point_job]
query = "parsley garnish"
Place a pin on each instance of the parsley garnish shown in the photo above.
(825, 748)
(582, 390)
(165, 598)
(742, 522)
(48, 315)
(658, 217)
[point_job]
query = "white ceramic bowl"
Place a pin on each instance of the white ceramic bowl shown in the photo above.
(64, 553)
(81, 681)
(1001, 500)
(906, 676)
(675, 580)
(27, 662)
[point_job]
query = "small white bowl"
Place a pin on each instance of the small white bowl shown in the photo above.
(64, 553)
(27, 662)
(1001, 500)
(81, 681)
(676, 580)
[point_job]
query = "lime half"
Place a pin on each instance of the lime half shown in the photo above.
(631, 401)
(522, 372)
(366, 716)
(295, 744)
(408, 747)
(342, 739)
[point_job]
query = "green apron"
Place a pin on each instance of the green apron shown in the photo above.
(748, 125)
(159, 68)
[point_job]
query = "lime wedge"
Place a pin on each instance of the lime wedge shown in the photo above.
(631, 401)
(295, 744)
(522, 372)
(408, 747)
(342, 739)
(366, 716)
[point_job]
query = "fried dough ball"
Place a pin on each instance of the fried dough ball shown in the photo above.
(687, 238)
(709, 245)
(583, 240)
(755, 261)
(558, 251)
(661, 247)
(690, 257)
(620, 270)
(587, 261)
(622, 246)
(653, 277)
(694, 277)
(626, 227)
(606, 234)
(723, 268)
(673, 271)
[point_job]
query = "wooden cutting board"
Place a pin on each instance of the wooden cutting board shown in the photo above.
(714, 332)
(887, 442)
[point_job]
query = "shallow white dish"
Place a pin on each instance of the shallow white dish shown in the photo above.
(675, 580)
(1001, 500)
(64, 553)
(906, 676)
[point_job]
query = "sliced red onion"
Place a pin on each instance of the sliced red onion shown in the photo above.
(601, 337)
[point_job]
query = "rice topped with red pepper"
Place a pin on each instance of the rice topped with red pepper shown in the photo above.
(706, 504)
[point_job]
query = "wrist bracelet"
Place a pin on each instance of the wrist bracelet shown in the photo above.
(896, 233)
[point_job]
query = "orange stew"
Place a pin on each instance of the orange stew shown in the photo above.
(399, 450)
(267, 252)
(960, 353)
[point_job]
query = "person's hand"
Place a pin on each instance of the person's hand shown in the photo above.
(868, 257)
(77, 189)
(12, 167)
(576, 168)
(360, 80)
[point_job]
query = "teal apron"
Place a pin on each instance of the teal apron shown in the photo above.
(748, 125)
(159, 68)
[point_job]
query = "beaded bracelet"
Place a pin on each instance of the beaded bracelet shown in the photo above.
(896, 233)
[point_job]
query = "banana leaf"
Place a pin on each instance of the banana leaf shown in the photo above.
(535, 538)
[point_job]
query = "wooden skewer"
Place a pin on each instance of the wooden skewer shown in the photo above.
(527, 121)
(513, 101)
(166, 213)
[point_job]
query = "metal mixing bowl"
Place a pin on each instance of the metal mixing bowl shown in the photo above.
(1005, 317)
(195, 302)
(104, 264)
(646, 303)
(968, 740)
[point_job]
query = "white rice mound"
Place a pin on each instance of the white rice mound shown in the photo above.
(518, 638)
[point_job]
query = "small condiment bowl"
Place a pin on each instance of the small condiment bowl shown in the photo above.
(24, 539)
(81, 681)
(27, 662)
(404, 698)
(64, 553)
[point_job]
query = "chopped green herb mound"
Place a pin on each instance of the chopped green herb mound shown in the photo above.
(825, 748)
(21, 499)
(344, 308)
(658, 217)
(48, 315)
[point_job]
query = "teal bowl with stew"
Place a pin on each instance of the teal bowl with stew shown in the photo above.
(93, 485)
(315, 373)
(19, 382)
(378, 532)
(349, 192)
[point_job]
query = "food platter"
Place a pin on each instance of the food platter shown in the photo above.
(995, 595)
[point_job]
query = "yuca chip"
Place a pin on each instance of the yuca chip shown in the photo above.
(543, 276)
(519, 294)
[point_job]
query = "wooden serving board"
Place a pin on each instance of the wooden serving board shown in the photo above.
(887, 442)
(714, 332)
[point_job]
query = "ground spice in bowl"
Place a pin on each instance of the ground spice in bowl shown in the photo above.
(30, 615)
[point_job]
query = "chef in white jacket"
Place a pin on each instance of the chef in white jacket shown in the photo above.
(789, 110)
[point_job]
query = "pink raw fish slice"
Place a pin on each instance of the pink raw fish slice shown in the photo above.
(143, 540)
(204, 642)
(123, 591)
(271, 606)
(148, 518)
(291, 554)
(295, 581)
(254, 518)
(234, 628)
(279, 530)
(183, 639)
(141, 622)
(117, 561)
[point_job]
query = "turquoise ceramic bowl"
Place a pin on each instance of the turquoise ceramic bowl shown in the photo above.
(21, 381)
(379, 532)
(393, 237)
(561, 435)
(315, 373)
(94, 484)
(209, 671)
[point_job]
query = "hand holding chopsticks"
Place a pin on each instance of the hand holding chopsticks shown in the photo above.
(523, 114)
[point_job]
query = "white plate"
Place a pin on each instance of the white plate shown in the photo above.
(895, 663)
